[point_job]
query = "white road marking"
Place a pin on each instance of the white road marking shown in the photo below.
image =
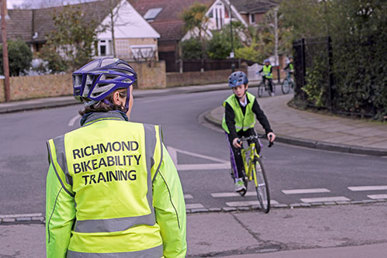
(188, 196)
(22, 215)
(197, 155)
(194, 206)
(73, 120)
(306, 191)
(367, 188)
(247, 203)
(220, 163)
(325, 199)
(231, 194)
(377, 196)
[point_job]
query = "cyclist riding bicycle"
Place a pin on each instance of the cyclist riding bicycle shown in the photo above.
(267, 70)
(289, 68)
(239, 120)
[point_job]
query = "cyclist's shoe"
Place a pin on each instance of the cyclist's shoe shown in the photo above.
(239, 185)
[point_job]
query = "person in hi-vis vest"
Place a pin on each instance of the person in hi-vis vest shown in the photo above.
(240, 110)
(267, 70)
(112, 188)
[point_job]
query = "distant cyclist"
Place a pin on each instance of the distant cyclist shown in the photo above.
(289, 68)
(241, 108)
(267, 70)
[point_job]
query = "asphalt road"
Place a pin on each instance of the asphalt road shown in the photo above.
(296, 175)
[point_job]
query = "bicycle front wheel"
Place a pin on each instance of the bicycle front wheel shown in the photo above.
(261, 186)
(285, 87)
(261, 89)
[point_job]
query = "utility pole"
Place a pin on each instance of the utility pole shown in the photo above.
(5, 51)
(232, 40)
(276, 42)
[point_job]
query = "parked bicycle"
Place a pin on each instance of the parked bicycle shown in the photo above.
(287, 84)
(255, 172)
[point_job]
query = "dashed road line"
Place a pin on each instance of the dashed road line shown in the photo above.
(325, 199)
(306, 191)
(231, 194)
(377, 196)
(194, 206)
(247, 203)
(367, 188)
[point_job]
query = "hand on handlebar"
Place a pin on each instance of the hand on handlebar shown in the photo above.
(271, 138)
(237, 143)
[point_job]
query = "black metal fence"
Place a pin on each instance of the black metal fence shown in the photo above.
(328, 76)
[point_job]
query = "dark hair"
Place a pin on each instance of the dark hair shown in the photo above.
(101, 106)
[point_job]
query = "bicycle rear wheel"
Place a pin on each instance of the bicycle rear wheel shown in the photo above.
(285, 86)
(261, 186)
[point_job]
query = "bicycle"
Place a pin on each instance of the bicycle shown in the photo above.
(264, 86)
(255, 172)
(287, 84)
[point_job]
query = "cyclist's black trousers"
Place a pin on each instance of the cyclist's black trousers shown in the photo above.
(270, 82)
(235, 153)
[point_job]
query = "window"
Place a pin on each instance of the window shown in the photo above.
(151, 14)
(252, 18)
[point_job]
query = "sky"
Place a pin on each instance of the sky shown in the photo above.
(11, 4)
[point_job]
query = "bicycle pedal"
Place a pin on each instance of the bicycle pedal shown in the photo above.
(242, 192)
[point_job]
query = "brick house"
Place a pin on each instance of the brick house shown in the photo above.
(165, 17)
(135, 39)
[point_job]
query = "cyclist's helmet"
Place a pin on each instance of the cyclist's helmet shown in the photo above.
(97, 79)
(237, 78)
(266, 61)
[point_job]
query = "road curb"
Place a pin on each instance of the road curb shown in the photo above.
(40, 219)
(311, 143)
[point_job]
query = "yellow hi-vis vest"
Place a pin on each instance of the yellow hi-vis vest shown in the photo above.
(108, 168)
(242, 122)
(266, 71)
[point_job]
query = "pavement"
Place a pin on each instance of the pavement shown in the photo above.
(283, 233)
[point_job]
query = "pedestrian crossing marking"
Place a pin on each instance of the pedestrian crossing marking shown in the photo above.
(367, 188)
(247, 203)
(306, 191)
(325, 199)
(377, 196)
(194, 206)
(231, 194)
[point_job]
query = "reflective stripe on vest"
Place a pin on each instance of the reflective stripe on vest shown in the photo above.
(266, 71)
(152, 252)
(242, 122)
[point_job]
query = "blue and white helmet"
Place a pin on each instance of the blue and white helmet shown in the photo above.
(237, 78)
(99, 78)
(267, 61)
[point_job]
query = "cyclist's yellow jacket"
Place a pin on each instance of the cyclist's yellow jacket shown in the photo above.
(266, 71)
(113, 191)
(242, 122)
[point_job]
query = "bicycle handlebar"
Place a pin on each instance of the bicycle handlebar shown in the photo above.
(252, 137)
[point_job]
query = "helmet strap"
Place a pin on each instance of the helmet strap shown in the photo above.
(126, 108)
